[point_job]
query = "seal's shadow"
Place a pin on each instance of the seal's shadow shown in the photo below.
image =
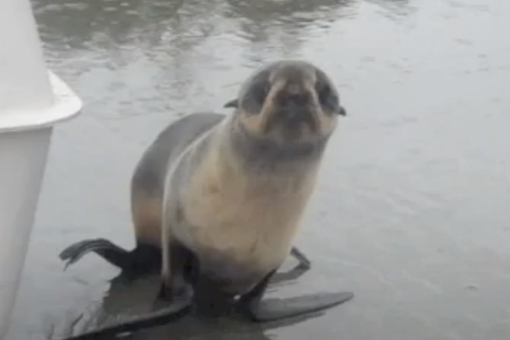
(124, 300)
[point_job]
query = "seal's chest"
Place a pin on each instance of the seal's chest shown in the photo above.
(248, 223)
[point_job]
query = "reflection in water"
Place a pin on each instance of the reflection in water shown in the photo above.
(182, 24)
(77, 23)
(394, 9)
(283, 25)
(127, 299)
(165, 42)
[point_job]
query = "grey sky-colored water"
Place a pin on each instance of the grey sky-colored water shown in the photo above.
(410, 208)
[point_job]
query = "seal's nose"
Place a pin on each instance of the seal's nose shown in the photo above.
(293, 95)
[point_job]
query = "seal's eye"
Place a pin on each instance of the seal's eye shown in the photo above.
(254, 99)
(259, 92)
(327, 98)
(323, 92)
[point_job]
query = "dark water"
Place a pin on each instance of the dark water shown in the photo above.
(409, 212)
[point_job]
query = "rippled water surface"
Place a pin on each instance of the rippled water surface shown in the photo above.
(410, 210)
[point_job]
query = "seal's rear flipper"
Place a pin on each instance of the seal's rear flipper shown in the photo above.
(141, 260)
(277, 309)
(104, 248)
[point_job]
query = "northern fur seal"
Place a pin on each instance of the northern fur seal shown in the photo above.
(223, 196)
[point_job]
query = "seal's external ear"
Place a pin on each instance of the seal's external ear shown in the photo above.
(341, 111)
(233, 103)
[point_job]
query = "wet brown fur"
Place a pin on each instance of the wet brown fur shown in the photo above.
(146, 215)
(228, 211)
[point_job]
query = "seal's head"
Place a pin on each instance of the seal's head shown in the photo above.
(288, 102)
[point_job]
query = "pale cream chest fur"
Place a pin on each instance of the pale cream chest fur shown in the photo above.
(251, 218)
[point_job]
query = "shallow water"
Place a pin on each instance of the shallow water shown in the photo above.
(409, 213)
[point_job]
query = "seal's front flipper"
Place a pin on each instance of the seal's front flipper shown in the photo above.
(169, 313)
(272, 310)
(174, 290)
(259, 310)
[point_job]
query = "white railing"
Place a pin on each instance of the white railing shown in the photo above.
(32, 100)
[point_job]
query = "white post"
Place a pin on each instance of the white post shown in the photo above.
(32, 100)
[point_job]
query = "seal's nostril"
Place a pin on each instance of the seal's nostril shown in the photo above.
(300, 99)
(282, 99)
(285, 99)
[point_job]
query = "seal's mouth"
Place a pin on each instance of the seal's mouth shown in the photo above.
(291, 113)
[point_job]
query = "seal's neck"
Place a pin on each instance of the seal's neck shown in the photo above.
(266, 156)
